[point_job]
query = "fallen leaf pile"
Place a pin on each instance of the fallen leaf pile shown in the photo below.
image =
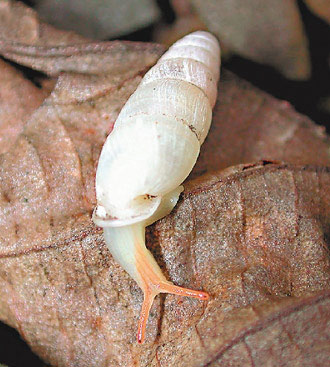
(24, 98)
(320, 7)
(254, 235)
(269, 32)
(101, 19)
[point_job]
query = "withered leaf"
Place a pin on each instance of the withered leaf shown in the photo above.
(20, 24)
(186, 21)
(100, 19)
(74, 305)
(249, 125)
(253, 236)
(37, 45)
(47, 178)
(267, 32)
(18, 99)
(320, 7)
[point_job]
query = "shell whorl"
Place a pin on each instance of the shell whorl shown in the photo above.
(158, 133)
(194, 59)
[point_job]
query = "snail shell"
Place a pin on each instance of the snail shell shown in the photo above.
(158, 133)
(151, 150)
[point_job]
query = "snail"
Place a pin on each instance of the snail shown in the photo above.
(152, 149)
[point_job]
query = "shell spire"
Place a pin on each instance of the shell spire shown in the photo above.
(151, 150)
(158, 132)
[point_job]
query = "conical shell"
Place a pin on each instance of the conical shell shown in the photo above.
(158, 133)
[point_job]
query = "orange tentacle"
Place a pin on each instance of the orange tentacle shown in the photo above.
(144, 315)
(167, 287)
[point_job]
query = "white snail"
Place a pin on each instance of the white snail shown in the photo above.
(151, 150)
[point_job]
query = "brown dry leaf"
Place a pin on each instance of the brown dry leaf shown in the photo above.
(320, 8)
(240, 237)
(168, 34)
(28, 41)
(47, 178)
(20, 24)
(76, 307)
(254, 235)
(269, 32)
(18, 99)
(186, 22)
(99, 19)
(249, 125)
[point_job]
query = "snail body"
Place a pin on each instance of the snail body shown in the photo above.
(151, 150)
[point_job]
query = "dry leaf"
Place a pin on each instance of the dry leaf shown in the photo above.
(269, 32)
(44, 48)
(254, 236)
(99, 19)
(19, 23)
(320, 8)
(249, 125)
(186, 21)
(241, 238)
(75, 306)
(18, 99)
(168, 34)
(48, 176)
